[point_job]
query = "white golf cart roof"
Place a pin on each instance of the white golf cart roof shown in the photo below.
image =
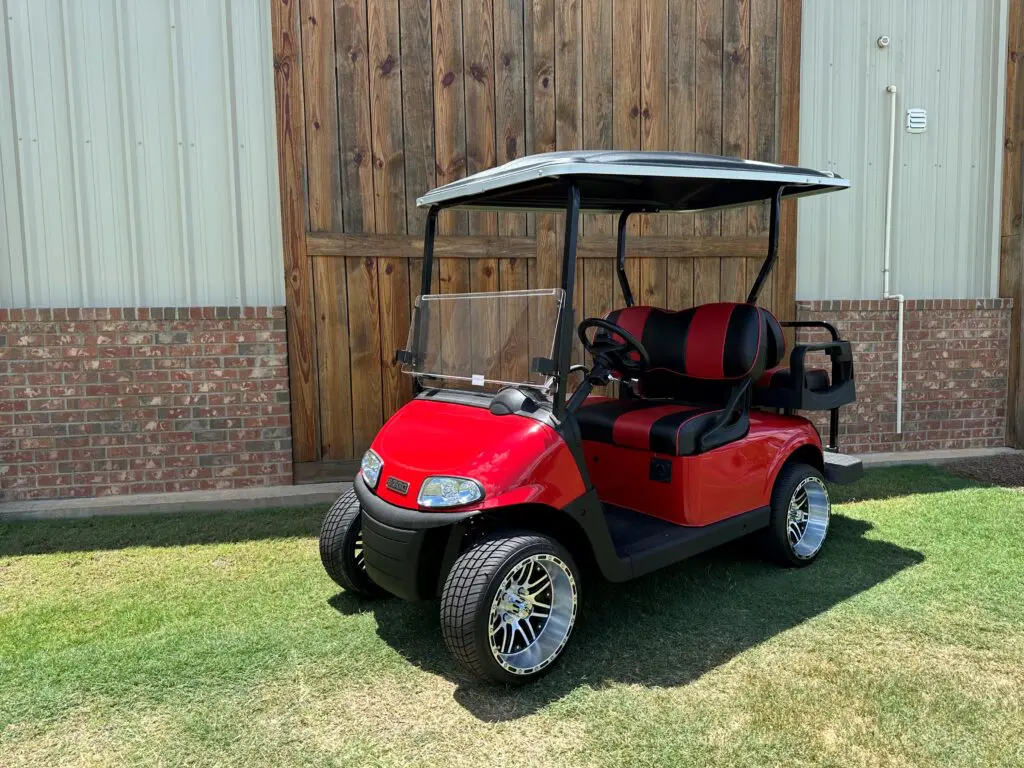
(611, 181)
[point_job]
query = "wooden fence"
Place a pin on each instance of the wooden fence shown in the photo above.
(380, 100)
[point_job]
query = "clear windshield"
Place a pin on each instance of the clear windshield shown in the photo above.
(481, 339)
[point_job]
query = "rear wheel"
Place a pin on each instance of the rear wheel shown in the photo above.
(341, 547)
(801, 512)
(509, 605)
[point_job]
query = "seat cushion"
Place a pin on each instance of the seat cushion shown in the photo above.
(782, 377)
(646, 425)
(716, 342)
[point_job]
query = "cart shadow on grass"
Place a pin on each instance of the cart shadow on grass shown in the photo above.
(664, 630)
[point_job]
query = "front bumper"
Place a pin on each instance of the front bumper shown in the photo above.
(408, 552)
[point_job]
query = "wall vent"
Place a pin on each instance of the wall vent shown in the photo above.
(917, 120)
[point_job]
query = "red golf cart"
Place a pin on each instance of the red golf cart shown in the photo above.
(505, 478)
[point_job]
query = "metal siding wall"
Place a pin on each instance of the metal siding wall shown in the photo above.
(137, 154)
(944, 56)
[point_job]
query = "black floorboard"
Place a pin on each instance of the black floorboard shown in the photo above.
(634, 531)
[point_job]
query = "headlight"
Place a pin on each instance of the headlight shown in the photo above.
(449, 492)
(372, 465)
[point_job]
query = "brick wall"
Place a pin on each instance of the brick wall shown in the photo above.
(955, 362)
(112, 401)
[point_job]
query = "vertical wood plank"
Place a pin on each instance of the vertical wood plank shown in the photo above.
(450, 149)
(1011, 285)
(298, 272)
(364, 327)
(789, 153)
(354, 119)
(515, 330)
(1011, 251)
(626, 60)
(682, 93)
(1012, 211)
(357, 175)
(597, 95)
(449, 106)
(417, 110)
(509, 98)
(386, 132)
(389, 195)
(654, 134)
(762, 133)
(706, 280)
(733, 279)
(478, 53)
(735, 97)
(709, 95)
(540, 37)
(568, 75)
(680, 284)
(332, 347)
(569, 122)
(323, 173)
(598, 119)
(540, 44)
(510, 128)
(324, 203)
(654, 105)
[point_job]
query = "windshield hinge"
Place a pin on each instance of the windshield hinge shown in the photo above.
(545, 366)
(405, 356)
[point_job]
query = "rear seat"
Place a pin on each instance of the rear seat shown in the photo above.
(797, 387)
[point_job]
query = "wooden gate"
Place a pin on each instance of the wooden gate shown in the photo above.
(380, 100)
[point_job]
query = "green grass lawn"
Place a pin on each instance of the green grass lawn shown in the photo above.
(218, 640)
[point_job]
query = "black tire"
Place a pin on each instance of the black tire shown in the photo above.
(341, 544)
(778, 543)
(471, 588)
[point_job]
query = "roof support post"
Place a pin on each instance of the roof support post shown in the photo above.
(566, 324)
(419, 319)
(620, 259)
(773, 247)
(429, 234)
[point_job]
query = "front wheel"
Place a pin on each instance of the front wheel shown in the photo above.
(509, 605)
(801, 511)
(341, 547)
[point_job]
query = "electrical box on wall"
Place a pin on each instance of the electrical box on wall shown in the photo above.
(917, 120)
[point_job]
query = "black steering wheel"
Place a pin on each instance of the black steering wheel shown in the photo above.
(617, 355)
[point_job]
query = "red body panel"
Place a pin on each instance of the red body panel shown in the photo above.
(516, 459)
(520, 460)
(706, 488)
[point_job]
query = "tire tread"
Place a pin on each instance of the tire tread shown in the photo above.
(776, 537)
(333, 535)
(465, 593)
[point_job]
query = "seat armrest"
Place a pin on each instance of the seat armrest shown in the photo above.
(840, 354)
(812, 324)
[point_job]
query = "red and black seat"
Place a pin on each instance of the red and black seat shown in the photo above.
(692, 395)
(647, 425)
(799, 387)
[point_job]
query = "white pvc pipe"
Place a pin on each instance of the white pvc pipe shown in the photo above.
(891, 90)
(887, 249)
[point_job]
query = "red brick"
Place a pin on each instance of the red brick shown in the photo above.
(955, 372)
(100, 401)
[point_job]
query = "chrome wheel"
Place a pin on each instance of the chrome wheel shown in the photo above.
(807, 520)
(532, 614)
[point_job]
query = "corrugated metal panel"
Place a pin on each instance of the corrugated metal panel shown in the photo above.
(947, 57)
(137, 154)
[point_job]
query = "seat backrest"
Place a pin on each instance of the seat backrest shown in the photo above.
(712, 342)
(776, 341)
